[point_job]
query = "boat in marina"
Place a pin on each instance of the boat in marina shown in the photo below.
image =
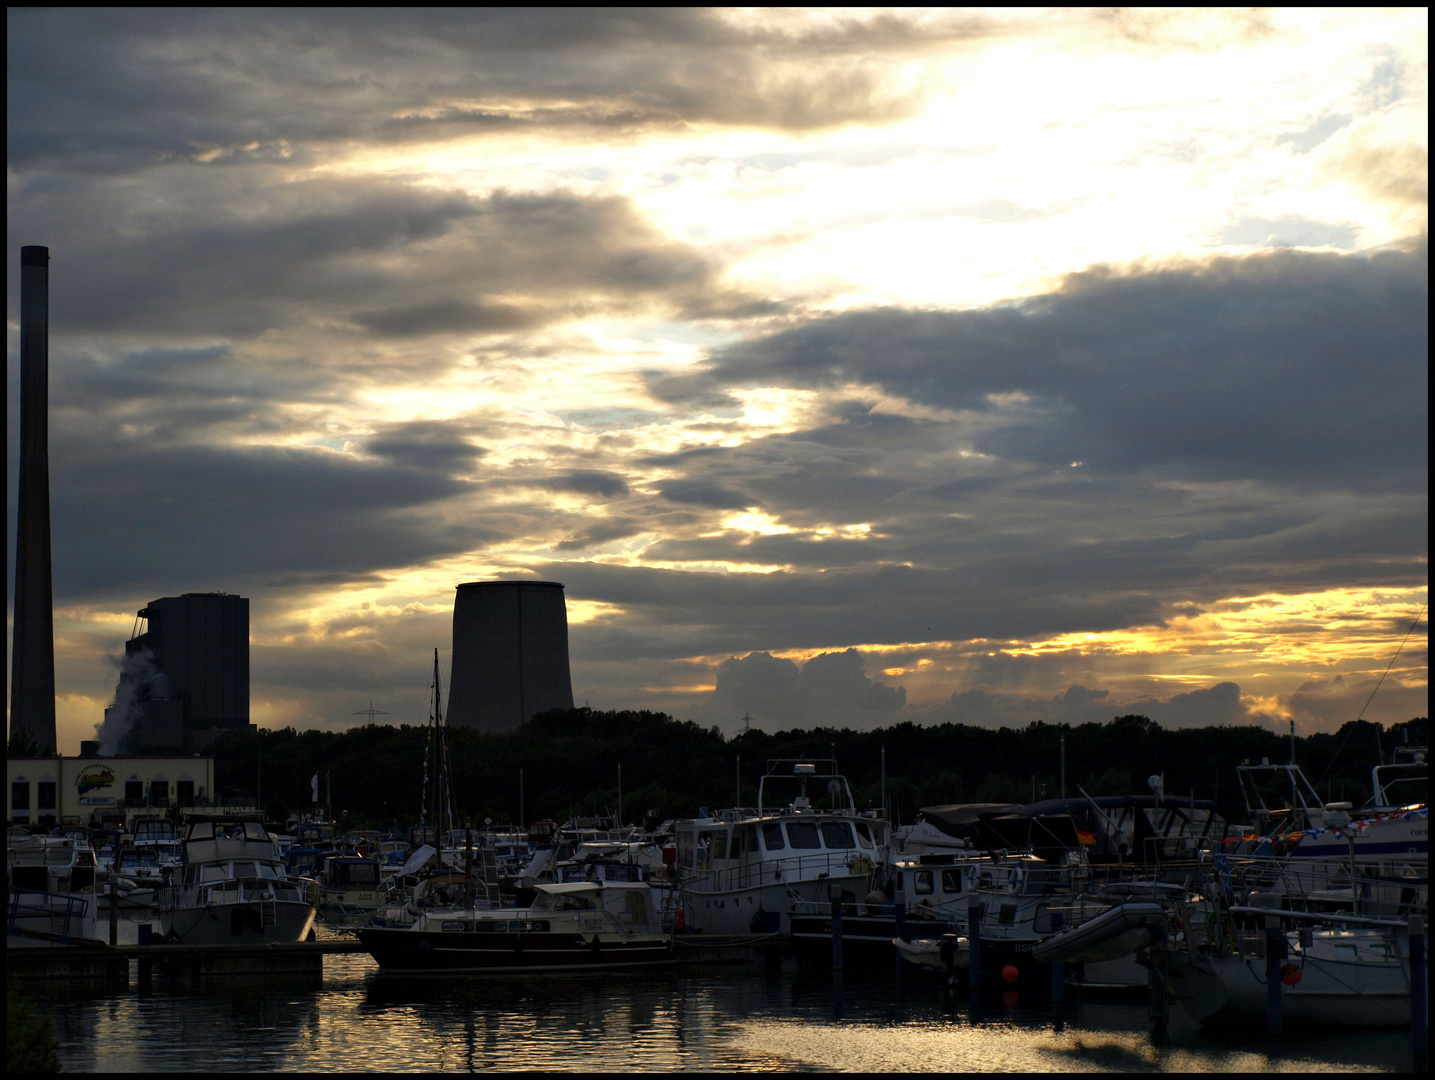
(233, 888)
(574, 925)
(1336, 969)
(51, 887)
(947, 954)
(744, 870)
(1026, 870)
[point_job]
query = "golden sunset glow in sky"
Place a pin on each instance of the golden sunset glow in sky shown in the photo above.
(845, 366)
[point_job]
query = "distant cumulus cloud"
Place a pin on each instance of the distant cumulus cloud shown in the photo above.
(829, 690)
(1218, 705)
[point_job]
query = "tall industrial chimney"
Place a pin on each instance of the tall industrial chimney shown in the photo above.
(510, 653)
(32, 669)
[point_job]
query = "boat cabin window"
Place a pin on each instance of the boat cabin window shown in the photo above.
(685, 849)
(951, 881)
(571, 903)
(1042, 922)
(735, 850)
(803, 834)
(715, 840)
(864, 837)
(922, 882)
(361, 874)
(772, 837)
(837, 834)
(749, 842)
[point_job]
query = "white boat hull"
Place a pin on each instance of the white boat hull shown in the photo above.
(750, 910)
(1360, 990)
(241, 923)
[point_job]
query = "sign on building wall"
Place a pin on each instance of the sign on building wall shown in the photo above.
(95, 779)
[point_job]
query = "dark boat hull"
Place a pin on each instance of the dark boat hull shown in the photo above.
(867, 945)
(417, 952)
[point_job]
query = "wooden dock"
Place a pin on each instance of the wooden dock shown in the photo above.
(111, 964)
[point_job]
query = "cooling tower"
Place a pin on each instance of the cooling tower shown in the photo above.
(510, 653)
(32, 667)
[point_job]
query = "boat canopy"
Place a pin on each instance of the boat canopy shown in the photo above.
(572, 888)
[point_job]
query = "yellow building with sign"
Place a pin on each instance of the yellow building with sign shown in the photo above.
(56, 790)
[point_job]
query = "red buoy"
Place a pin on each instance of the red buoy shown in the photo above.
(1010, 973)
(1291, 974)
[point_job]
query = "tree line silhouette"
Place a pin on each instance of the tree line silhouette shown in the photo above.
(567, 762)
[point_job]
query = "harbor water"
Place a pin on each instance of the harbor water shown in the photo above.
(732, 1017)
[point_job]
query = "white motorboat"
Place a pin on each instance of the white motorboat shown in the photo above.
(1354, 974)
(233, 888)
(743, 871)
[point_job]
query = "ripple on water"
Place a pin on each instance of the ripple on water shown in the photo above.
(734, 1019)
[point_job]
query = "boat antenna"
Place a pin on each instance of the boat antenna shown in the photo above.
(1334, 757)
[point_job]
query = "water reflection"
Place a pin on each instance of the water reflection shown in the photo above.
(722, 1018)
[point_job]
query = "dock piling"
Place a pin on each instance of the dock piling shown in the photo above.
(900, 911)
(974, 964)
(1419, 999)
(1058, 983)
(837, 935)
(1158, 1008)
(1275, 953)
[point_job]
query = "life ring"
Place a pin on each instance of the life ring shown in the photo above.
(1013, 884)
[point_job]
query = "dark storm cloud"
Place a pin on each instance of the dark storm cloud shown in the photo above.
(115, 91)
(447, 317)
(426, 445)
(695, 613)
(713, 496)
(1291, 367)
(242, 257)
(127, 516)
(588, 482)
(601, 533)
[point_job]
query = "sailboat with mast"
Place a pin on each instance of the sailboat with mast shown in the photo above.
(455, 922)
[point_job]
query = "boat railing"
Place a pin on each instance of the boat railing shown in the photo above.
(789, 870)
(1392, 889)
(62, 912)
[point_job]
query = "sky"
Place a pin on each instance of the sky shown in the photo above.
(846, 367)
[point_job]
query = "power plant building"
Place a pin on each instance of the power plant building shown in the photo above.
(185, 678)
(510, 653)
